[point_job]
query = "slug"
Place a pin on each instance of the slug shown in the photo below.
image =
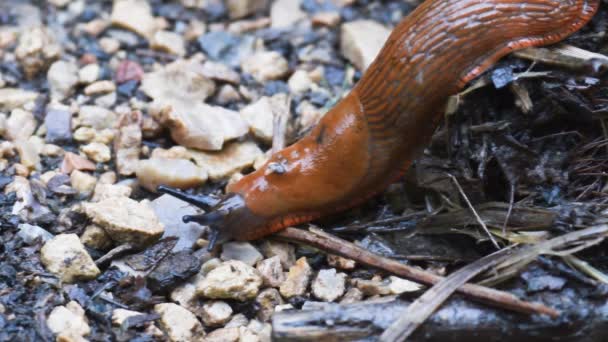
(373, 134)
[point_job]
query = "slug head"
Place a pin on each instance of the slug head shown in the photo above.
(227, 217)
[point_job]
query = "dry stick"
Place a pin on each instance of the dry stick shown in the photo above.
(423, 307)
(335, 245)
(477, 217)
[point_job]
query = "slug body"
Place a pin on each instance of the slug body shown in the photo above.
(372, 136)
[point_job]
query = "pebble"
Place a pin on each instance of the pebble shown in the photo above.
(30, 234)
(62, 78)
(170, 211)
(20, 125)
(265, 66)
(36, 50)
(69, 322)
(127, 144)
(98, 152)
(329, 19)
(340, 262)
(96, 26)
(72, 161)
(104, 191)
(106, 101)
(65, 256)
(96, 117)
(128, 70)
(109, 45)
(89, 73)
(96, 237)
(260, 118)
(169, 42)
(220, 72)
(297, 280)
(119, 316)
(58, 123)
(83, 182)
(329, 285)
(231, 280)
(361, 40)
(134, 15)
(268, 300)
(299, 82)
(242, 251)
(181, 80)
(353, 295)
(373, 287)
(242, 8)
(233, 158)
(285, 13)
(285, 252)
(29, 151)
(271, 271)
(125, 220)
(227, 94)
(179, 323)
(100, 87)
(224, 335)
(216, 313)
(178, 173)
(12, 98)
(222, 46)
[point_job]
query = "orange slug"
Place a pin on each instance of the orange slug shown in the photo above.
(372, 135)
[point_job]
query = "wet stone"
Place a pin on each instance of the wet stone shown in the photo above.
(329, 285)
(173, 270)
(30, 234)
(170, 211)
(58, 126)
(242, 251)
(271, 271)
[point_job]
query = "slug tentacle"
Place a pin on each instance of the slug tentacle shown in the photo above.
(367, 140)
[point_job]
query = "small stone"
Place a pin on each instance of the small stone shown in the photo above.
(36, 50)
(373, 287)
(224, 335)
(329, 285)
(106, 101)
(69, 321)
(89, 73)
(233, 158)
(98, 152)
(29, 151)
(65, 256)
(104, 191)
(11, 98)
(285, 252)
(361, 40)
(398, 285)
(179, 323)
(299, 82)
(95, 237)
(96, 117)
(30, 234)
(244, 26)
(271, 271)
(119, 316)
(220, 72)
(134, 15)
(51, 150)
(285, 13)
(242, 8)
(62, 77)
(265, 66)
(222, 46)
(20, 125)
(268, 300)
(329, 19)
(180, 80)
(127, 144)
(170, 211)
(340, 262)
(96, 26)
(173, 270)
(216, 313)
(297, 280)
(128, 70)
(242, 251)
(169, 42)
(100, 87)
(83, 182)
(109, 45)
(58, 124)
(260, 116)
(73, 161)
(231, 280)
(227, 94)
(125, 220)
(238, 320)
(178, 173)
(353, 295)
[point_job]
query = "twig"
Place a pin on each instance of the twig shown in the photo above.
(511, 200)
(114, 253)
(423, 307)
(477, 217)
(333, 245)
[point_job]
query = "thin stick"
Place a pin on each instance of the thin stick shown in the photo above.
(333, 245)
(477, 217)
(511, 200)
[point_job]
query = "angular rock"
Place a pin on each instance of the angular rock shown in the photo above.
(69, 322)
(285, 252)
(231, 280)
(179, 323)
(268, 300)
(11, 98)
(119, 316)
(134, 15)
(62, 77)
(400, 285)
(65, 256)
(98, 152)
(96, 117)
(127, 144)
(340, 262)
(105, 191)
(299, 82)
(20, 125)
(36, 50)
(373, 287)
(242, 8)
(29, 151)
(169, 42)
(224, 335)
(260, 116)
(271, 271)
(329, 285)
(297, 280)
(178, 173)
(125, 220)
(266, 66)
(329, 18)
(181, 80)
(83, 182)
(233, 158)
(220, 72)
(72, 161)
(89, 73)
(58, 124)
(95, 237)
(30, 234)
(216, 313)
(361, 40)
(353, 295)
(222, 46)
(285, 13)
(242, 251)
(128, 70)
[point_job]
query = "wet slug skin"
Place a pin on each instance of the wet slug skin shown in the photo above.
(372, 136)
